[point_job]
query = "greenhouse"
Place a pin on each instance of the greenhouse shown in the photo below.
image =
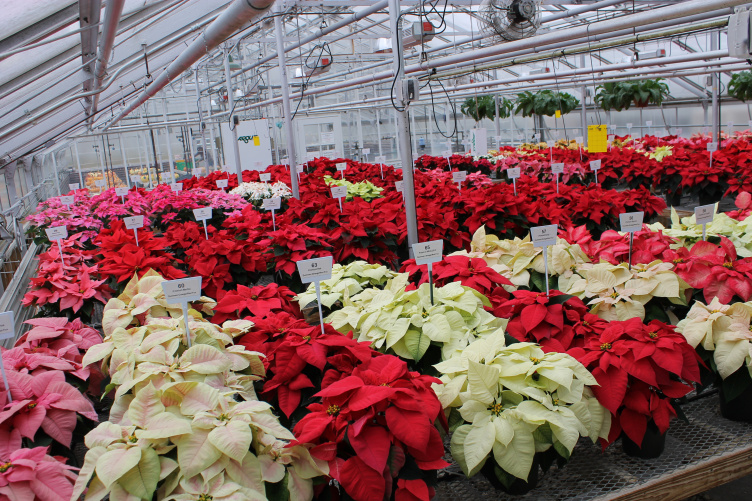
(367, 250)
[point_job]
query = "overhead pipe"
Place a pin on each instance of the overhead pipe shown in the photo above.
(112, 13)
(664, 16)
(311, 38)
(230, 21)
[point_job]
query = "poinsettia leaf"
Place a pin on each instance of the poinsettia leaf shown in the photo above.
(372, 445)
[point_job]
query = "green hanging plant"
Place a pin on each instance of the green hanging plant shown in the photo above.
(484, 107)
(545, 102)
(619, 96)
(740, 86)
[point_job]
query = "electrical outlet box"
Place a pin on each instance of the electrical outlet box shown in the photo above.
(740, 34)
(417, 33)
(408, 91)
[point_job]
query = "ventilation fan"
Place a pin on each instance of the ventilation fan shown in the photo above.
(511, 19)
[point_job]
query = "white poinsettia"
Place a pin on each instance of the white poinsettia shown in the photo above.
(347, 280)
(506, 257)
(259, 191)
(516, 401)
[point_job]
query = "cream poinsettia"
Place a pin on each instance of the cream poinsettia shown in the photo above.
(517, 401)
(347, 280)
(723, 329)
(501, 255)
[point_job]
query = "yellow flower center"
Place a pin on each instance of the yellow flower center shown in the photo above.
(306, 338)
(425, 314)
(652, 335)
(728, 265)
(496, 409)
(205, 497)
(556, 401)
(31, 405)
(5, 467)
(535, 360)
(678, 261)
(715, 311)
(333, 410)
(133, 439)
(614, 295)
(223, 417)
(605, 346)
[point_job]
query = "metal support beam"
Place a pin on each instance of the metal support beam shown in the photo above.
(714, 89)
(112, 13)
(89, 13)
(286, 107)
(169, 143)
(233, 123)
(403, 132)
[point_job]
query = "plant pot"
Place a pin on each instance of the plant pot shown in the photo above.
(707, 198)
(673, 199)
(518, 487)
(652, 445)
(738, 408)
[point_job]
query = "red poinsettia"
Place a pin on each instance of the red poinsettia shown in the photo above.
(549, 321)
(257, 302)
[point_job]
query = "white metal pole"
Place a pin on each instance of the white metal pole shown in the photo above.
(202, 125)
(167, 138)
(233, 123)
(188, 119)
(716, 79)
(125, 162)
(403, 130)
(215, 152)
(378, 130)
(57, 176)
(286, 107)
(78, 161)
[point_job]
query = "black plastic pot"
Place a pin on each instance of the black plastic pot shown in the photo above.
(739, 408)
(519, 486)
(652, 445)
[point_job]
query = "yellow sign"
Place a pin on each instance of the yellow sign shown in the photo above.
(597, 138)
(256, 141)
(558, 113)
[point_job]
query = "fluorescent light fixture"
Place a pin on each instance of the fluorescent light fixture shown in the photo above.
(650, 55)
(540, 71)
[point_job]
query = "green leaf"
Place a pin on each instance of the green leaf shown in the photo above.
(141, 480)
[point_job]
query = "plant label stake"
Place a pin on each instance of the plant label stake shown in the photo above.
(182, 292)
(629, 129)
(342, 167)
(286, 163)
(513, 174)
(203, 214)
(272, 204)
(67, 200)
(316, 270)
(134, 223)
(58, 233)
(630, 223)
(595, 166)
(381, 160)
(339, 192)
(100, 183)
(649, 123)
(121, 192)
(74, 186)
(448, 155)
(265, 177)
(176, 187)
(7, 331)
(579, 140)
(300, 169)
(400, 187)
(428, 253)
(221, 183)
(704, 214)
(711, 147)
(459, 177)
(543, 236)
(556, 169)
(366, 152)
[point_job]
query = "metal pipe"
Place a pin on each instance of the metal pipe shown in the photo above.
(715, 87)
(238, 13)
(201, 124)
(125, 162)
(286, 107)
(112, 13)
(187, 119)
(312, 38)
(78, 161)
(169, 143)
(233, 122)
(403, 132)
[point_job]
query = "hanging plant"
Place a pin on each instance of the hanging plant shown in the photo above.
(545, 102)
(484, 107)
(740, 86)
(621, 95)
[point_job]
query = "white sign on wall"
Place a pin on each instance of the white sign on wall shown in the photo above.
(250, 153)
(479, 142)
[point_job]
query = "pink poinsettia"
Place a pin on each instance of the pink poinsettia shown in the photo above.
(31, 474)
(44, 401)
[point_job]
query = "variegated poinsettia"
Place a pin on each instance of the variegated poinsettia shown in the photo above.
(723, 329)
(347, 281)
(617, 292)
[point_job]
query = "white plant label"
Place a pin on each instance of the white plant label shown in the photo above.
(631, 221)
(286, 161)
(176, 187)
(133, 222)
(74, 186)
(182, 291)
(56, 233)
(595, 165)
(711, 147)
(315, 270)
(513, 173)
(499, 139)
(447, 153)
(557, 168)
(629, 126)
(100, 183)
(649, 123)
(341, 166)
(704, 214)
(381, 159)
(428, 252)
(135, 178)
(339, 191)
(301, 169)
(399, 186)
(121, 192)
(67, 200)
(459, 176)
(366, 151)
(265, 177)
(221, 183)
(578, 140)
(544, 235)
(202, 214)
(272, 203)
(7, 325)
